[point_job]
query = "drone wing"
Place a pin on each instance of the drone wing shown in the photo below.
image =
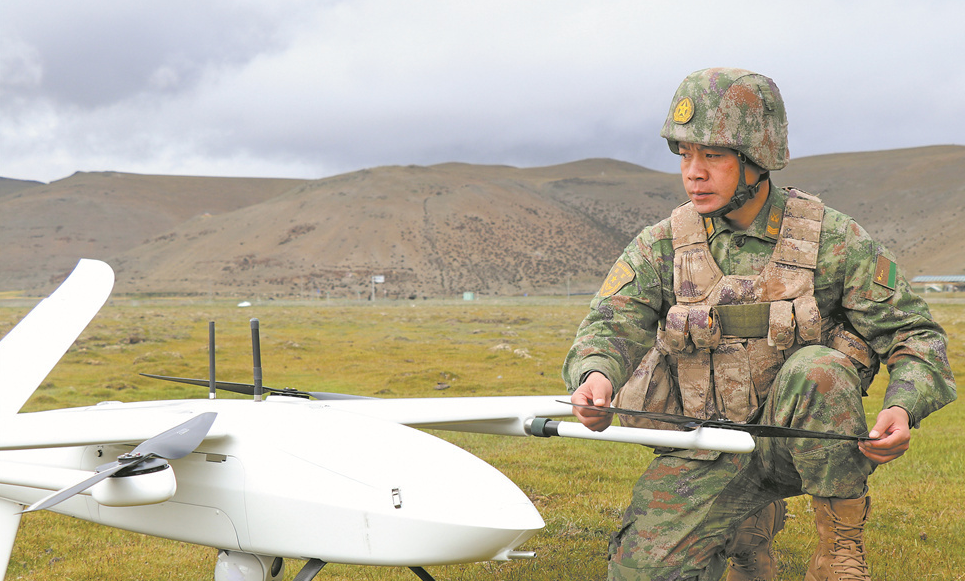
(505, 416)
(32, 348)
(527, 416)
(102, 424)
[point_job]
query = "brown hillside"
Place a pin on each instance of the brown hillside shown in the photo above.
(431, 231)
(45, 229)
(911, 200)
(9, 186)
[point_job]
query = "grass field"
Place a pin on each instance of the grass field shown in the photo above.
(439, 349)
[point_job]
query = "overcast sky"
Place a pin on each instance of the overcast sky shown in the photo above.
(307, 89)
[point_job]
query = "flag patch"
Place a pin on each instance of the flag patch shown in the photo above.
(886, 273)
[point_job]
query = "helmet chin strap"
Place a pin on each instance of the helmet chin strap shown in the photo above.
(742, 194)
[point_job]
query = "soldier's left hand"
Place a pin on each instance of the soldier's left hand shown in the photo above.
(894, 435)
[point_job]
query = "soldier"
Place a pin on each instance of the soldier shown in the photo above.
(756, 304)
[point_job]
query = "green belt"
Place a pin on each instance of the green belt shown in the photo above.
(744, 320)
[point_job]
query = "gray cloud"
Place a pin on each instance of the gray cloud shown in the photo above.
(307, 89)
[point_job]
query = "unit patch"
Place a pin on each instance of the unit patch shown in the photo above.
(684, 111)
(619, 276)
(886, 273)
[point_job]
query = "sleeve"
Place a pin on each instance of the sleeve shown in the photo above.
(622, 323)
(898, 326)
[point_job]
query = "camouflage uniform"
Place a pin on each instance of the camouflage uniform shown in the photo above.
(686, 506)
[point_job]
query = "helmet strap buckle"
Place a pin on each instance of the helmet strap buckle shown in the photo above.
(743, 193)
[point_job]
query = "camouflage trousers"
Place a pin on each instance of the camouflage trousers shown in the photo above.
(684, 510)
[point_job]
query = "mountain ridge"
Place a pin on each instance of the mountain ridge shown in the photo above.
(429, 230)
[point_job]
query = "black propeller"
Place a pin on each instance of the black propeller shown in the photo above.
(249, 389)
(762, 430)
(172, 444)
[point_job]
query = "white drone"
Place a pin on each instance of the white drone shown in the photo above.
(319, 477)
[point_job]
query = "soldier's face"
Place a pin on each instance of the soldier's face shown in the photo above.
(710, 175)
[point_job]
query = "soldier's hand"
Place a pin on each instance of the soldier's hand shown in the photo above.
(895, 436)
(598, 391)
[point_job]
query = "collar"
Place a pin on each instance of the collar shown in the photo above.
(767, 224)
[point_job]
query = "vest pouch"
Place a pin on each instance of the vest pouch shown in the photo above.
(779, 282)
(696, 389)
(694, 273)
(703, 324)
(676, 329)
(808, 318)
(780, 331)
(765, 362)
(650, 389)
(735, 394)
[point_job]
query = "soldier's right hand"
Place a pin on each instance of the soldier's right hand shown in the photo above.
(595, 390)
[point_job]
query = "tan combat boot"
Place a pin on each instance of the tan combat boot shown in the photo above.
(840, 554)
(750, 552)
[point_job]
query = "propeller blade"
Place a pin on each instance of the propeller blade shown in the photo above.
(249, 389)
(171, 444)
(63, 494)
(179, 441)
(762, 430)
(242, 388)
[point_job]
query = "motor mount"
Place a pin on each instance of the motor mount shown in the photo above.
(150, 482)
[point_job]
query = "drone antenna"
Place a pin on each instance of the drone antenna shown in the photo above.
(256, 356)
(212, 389)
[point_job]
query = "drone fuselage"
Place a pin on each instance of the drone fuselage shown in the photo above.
(294, 478)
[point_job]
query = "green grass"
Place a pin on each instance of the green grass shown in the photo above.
(439, 349)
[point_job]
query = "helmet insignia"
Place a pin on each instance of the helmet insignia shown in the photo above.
(684, 111)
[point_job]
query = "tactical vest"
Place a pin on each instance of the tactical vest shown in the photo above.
(724, 341)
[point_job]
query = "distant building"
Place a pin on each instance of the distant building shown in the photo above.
(947, 283)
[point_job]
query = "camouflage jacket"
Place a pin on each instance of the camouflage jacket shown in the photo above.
(622, 324)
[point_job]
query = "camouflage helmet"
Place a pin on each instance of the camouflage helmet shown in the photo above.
(732, 108)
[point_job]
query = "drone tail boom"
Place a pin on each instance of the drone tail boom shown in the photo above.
(700, 439)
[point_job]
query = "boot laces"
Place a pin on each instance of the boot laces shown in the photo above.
(746, 562)
(849, 553)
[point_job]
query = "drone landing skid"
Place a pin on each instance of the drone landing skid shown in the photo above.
(313, 566)
(422, 573)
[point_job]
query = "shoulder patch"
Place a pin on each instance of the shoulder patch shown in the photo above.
(886, 273)
(619, 276)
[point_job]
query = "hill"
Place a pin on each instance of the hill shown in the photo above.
(911, 200)
(9, 186)
(46, 228)
(430, 231)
